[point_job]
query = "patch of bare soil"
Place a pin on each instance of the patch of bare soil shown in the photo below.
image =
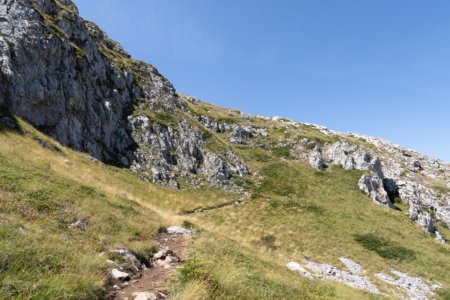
(151, 283)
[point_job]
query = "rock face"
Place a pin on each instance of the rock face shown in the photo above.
(373, 186)
(67, 78)
(353, 157)
(316, 159)
(54, 75)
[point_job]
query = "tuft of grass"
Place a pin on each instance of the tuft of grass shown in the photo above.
(441, 188)
(282, 152)
(384, 247)
(268, 241)
(260, 156)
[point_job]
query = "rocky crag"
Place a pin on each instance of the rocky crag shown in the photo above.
(66, 77)
(394, 173)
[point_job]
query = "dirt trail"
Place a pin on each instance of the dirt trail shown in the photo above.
(152, 282)
(233, 203)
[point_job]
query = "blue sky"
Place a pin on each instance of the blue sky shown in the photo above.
(377, 67)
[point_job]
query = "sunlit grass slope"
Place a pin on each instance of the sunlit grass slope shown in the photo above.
(240, 252)
(45, 189)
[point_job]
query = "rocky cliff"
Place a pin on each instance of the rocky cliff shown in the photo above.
(66, 77)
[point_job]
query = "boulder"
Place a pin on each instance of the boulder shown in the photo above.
(439, 238)
(421, 218)
(144, 296)
(353, 157)
(180, 231)
(241, 133)
(119, 275)
(374, 188)
(316, 159)
(414, 165)
(215, 169)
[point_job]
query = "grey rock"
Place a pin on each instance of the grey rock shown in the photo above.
(213, 124)
(8, 122)
(414, 166)
(373, 186)
(240, 134)
(58, 80)
(144, 296)
(163, 253)
(332, 273)
(296, 267)
(439, 238)
(421, 218)
(353, 157)
(415, 287)
(352, 266)
(420, 199)
(130, 257)
(180, 231)
(316, 159)
(119, 275)
(81, 224)
(235, 165)
(216, 169)
(170, 152)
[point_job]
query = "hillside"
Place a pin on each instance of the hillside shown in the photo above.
(99, 155)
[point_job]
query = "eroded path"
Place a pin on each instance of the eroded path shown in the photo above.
(151, 283)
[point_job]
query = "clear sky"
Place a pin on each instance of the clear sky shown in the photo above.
(376, 67)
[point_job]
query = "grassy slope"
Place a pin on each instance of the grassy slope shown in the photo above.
(42, 191)
(299, 212)
(235, 256)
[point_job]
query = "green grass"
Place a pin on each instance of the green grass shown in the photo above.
(384, 248)
(323, 215)
(220, 269)
(240, 253)
(41, 257)
(282, 152)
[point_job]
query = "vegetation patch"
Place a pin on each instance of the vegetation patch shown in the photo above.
(384, 248)
(259, 156)
(441, 188)
(280, 179)
(282, 152)
(268, 241)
